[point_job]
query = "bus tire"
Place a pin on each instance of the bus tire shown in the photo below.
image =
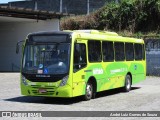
(88, 91)
(127, 86)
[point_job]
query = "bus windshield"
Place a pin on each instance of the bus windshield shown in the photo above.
(46, 58)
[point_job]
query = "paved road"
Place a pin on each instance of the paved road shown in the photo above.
(144, 96)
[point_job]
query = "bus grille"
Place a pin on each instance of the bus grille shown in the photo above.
(50, 90)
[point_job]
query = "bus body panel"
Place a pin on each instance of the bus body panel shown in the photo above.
(108, 76)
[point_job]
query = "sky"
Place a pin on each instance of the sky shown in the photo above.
(6, 1)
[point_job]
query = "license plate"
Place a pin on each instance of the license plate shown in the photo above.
(42, 90)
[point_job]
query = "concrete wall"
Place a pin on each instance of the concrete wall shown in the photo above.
(12, 32)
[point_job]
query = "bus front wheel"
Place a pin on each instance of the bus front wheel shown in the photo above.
(88, 91)
(127, 86)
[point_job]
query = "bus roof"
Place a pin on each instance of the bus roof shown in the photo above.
(97, 32)
(92, 35)
(50, 32)
(104, 35)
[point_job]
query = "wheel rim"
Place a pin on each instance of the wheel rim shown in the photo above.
(89, 91)
(128, 84)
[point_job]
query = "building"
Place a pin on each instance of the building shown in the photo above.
(16, 24)
(65, 6)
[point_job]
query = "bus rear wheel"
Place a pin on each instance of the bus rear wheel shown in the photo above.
(127, 86)
(88, 91)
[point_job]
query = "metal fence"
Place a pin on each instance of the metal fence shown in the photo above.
(153, 55)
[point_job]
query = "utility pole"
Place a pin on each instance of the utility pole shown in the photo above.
(88, 7)
(60, 6)
(36, 6)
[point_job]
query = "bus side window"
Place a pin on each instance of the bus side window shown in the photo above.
(94, 51)
(143, 52)
(80, 60)
(119, 51)
(138, 51)
(129, 51)
(108, 51)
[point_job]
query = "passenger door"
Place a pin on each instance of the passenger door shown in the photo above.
(79, 67)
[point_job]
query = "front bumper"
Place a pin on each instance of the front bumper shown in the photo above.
(46, 89)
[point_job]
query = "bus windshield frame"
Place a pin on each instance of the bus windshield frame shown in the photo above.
(47, 54)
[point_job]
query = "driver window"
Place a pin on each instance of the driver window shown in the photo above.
(80, 60)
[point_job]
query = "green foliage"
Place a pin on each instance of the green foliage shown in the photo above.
(134, 16)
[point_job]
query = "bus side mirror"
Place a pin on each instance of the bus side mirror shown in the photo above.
(17, 46)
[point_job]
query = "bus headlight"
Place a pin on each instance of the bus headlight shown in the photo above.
(64, 81)
(24, 80)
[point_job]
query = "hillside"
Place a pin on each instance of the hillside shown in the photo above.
(131, 16)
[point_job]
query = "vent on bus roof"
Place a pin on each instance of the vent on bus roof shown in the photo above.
(98, 32)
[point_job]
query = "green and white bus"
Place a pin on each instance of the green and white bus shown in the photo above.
(80, 63)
